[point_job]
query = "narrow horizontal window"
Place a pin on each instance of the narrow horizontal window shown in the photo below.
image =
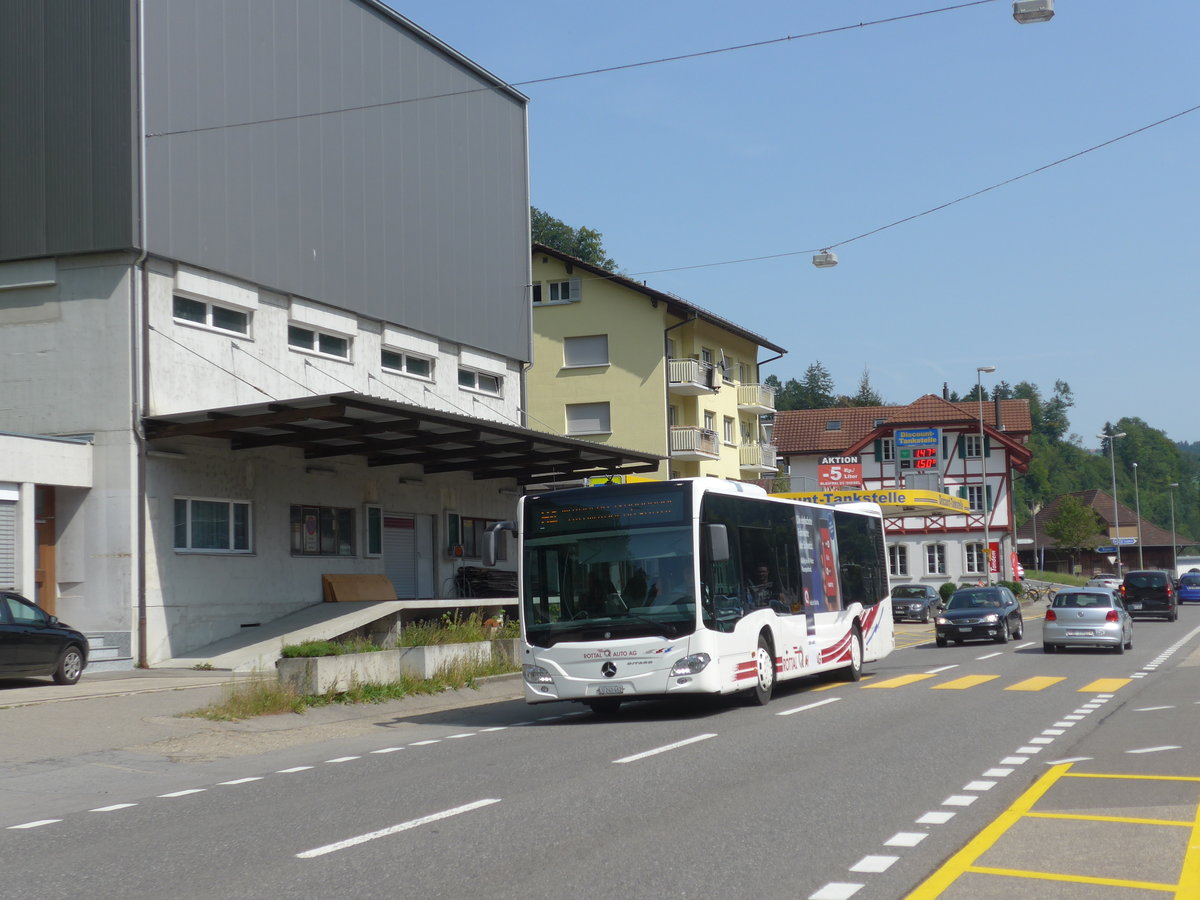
(210, 315)
(398, 361)
(321, 342)
(479, 381)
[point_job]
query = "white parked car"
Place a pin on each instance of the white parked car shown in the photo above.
(1105, 581)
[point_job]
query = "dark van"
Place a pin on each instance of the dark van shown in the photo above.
(1150, 593)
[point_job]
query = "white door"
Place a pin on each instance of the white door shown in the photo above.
(408, 553)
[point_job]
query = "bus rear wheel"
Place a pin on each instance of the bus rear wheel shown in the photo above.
(853, 672)
(764, 665)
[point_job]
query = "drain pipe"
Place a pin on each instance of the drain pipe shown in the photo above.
(139, 351)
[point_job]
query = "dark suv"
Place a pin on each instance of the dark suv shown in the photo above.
(1150, 593)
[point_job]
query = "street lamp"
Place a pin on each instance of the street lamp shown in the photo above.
(1027, 11)
(1112, 455)
(987, 544)
(1174, 552)
(1137, 507)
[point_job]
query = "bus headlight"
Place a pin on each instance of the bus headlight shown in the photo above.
(536, 675)
(691, 665)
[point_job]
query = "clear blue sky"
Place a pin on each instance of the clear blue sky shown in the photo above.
(1085, 272)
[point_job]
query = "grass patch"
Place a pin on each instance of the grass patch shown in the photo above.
(328, 648)
(1056, 578)
(453, 628)
(263, 695)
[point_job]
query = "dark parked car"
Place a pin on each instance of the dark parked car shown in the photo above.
(1150, 593)
(980, 614)
(33, 642)
(1087, 617)
(915, 601)
(1189, 587)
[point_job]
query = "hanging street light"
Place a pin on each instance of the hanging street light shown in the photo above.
(1027, 12)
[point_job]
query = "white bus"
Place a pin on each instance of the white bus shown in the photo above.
(693, 586)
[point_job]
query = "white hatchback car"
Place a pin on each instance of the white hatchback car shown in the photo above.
(1105, 581)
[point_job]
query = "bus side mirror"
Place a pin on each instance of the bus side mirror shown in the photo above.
(718, 542)
(489, 540)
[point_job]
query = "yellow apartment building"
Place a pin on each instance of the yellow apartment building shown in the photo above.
(617, 362)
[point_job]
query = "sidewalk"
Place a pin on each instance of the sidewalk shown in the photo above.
(144, 710)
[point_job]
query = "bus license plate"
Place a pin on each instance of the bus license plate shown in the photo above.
(611, 689)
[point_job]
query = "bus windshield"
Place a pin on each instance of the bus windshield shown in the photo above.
(609, 585)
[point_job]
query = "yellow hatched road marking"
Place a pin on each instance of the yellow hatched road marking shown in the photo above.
(899, 681)
(1076, 879)
(1105, 685)
(961, 684)
(1117, 819)
(1034, 684)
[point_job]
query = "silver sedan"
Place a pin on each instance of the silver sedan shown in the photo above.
(1087, 617)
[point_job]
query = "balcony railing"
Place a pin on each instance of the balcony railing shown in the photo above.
(694, 444)
(758, 398)
(691, 376)
(759, 458)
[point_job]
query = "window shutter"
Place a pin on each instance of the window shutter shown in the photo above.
(988, 502)
(987, 446)
(962, 449)
(962, 492)
(576, 287)
(945, 446)
(878, 450)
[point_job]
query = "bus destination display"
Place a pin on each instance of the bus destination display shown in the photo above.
(546, 515)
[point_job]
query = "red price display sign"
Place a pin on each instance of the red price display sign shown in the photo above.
(840, 472)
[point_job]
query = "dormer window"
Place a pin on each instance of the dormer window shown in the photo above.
(833, 425)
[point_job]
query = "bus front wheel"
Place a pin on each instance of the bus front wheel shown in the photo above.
(606, 707)
(764, 664)
(853, 672)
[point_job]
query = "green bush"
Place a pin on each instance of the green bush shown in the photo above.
(1015, 586)
(452, 628)
(947, 590)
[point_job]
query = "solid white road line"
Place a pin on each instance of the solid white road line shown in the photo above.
(657, 750)
(395, 829)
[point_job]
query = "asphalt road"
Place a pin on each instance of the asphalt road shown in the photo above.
(949, 772)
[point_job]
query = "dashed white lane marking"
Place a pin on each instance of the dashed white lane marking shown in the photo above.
(1156, 749)
(1070, 759)
(395, 829)
(38, 824)
(1153, 708)
(426, 743)
(997, 773)
(668, 747)
(906, 839)
(1041, 740)
(874, 864)
(182, 793)
(1014, 760)
(936, 818)
(836, 890)
(1026, 644)
(112, 808)
(243, 780)
(1064, 725)
(293, 769)
(1029, 750)
(387, 750)
(979, 785)
(788, 712)
(987, 656)
(342, 759)
(1075, 717)
(941, 669)
(495, 728)
(959, 800)
(1054, 732)
(451, 737)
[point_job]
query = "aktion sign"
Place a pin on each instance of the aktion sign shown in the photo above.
(840, 472)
